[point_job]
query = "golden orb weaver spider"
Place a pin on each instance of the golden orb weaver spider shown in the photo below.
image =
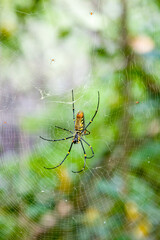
(79, 130)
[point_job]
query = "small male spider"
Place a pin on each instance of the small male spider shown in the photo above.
(79, 130)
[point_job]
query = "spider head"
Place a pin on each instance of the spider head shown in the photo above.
(76, 139)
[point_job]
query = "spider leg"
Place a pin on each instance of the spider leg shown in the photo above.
(90, 148)
(63, 159)
(94, 114)
(50, 140)
(84, 160)
(73, 107)
(88, 132)
(64, 129)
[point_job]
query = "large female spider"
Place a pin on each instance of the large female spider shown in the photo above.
(79, 130)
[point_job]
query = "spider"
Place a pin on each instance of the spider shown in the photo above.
(79, 130)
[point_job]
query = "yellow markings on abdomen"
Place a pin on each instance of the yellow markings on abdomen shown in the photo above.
(79, 124)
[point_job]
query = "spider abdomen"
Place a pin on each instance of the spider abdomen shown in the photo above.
(79, 124)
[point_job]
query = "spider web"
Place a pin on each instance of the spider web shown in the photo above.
(116, 197)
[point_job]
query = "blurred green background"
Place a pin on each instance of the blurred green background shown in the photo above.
(48, 48)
